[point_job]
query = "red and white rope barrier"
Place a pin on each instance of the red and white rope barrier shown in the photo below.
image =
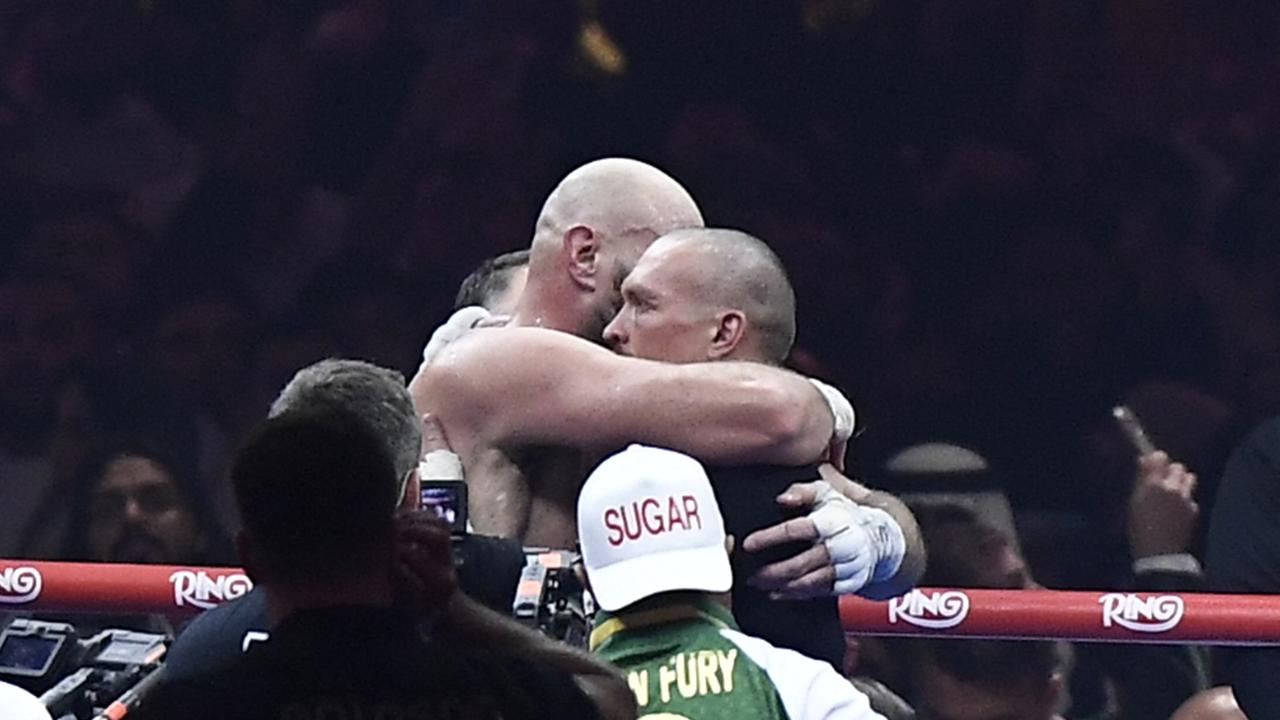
(1070, 615)
(1049, 614)
(116, 588)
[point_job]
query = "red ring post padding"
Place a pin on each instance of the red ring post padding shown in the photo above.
(1101, 616)
(27, 585)
(33, 586)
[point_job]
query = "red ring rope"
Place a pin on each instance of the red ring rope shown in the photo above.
(116, 588)
(1146, 617)
(1049, 614)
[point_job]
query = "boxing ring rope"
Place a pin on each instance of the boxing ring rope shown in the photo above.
(1087, 616)
(30, 586)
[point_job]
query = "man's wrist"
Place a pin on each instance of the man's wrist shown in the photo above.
(843, 416)
(890, 542)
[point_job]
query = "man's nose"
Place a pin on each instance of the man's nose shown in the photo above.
(133, 510)
(614, 335)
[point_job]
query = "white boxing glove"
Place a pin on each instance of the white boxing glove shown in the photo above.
(841, 410)
(866, 544)
(459, 323)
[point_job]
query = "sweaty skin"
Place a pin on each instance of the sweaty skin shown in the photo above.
(529, 406)
(526, 409)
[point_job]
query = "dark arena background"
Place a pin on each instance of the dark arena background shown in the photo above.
(1002, 219)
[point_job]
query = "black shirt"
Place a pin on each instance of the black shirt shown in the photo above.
(488, 571)
(368, 662)
(216, 639)
(1243, 556)
(748, 501)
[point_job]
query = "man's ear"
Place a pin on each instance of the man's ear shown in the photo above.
(582, 252)
(412, 491)
(248, 557)
(731, 330)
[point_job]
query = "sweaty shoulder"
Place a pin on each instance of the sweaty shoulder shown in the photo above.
(457, 370)
(482, 379)
(486, 351)
(494, 363)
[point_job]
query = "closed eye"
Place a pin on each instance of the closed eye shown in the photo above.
(637, 300)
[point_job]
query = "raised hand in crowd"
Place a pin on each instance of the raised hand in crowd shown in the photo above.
(1162, 510)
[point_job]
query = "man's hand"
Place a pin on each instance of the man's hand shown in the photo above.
(1162, 513)
(426, 578)
(853, 545)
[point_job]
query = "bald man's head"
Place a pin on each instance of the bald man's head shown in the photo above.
(592, 229)
(707, 294)
(1217, 703)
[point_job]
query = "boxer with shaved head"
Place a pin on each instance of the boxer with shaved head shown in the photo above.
(706, 294)
(592, 229)
(529, 410)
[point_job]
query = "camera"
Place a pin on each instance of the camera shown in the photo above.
(448, 500)
(76, 677)
(551, 599)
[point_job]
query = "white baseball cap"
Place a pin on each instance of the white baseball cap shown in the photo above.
(18, 704)
(648, 523)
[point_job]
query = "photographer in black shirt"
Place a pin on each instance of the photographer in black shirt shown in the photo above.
(377, 396)
(317, 494)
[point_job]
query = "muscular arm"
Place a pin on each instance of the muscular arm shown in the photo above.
(517, 387)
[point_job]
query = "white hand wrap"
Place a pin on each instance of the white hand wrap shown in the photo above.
(458, 324)
(866, 544)
(841, 410)
(440, 465)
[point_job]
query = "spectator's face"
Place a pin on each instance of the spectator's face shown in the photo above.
(984, 555)
(663, 315)
(943, 697)
(137, 514)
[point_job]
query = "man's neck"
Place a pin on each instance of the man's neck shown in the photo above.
(546, 307)
(283, 601)
(746, 352)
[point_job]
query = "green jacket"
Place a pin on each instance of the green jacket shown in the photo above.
(686, 658)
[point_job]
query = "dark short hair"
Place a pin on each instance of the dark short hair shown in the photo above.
(316, 492)
(995, 664)
(490, 279)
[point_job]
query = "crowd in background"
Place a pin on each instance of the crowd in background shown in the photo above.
(1001, 218)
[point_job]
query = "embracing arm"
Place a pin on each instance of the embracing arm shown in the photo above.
(527, 386)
